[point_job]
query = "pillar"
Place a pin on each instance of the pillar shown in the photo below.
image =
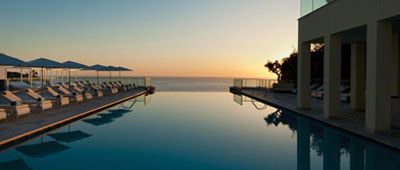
(331, 148)
(304, 75)
(358, 57)
(395, 66)
(332, 76)
(356, 154)
(303, 144)
(379, 71)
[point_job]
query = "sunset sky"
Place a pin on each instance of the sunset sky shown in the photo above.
(218, 38)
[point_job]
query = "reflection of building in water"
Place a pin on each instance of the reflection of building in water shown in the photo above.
(332, 144)
(145, 99)
(240, 99)
(15, 164)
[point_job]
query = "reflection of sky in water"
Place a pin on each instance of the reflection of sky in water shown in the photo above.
(194, 131)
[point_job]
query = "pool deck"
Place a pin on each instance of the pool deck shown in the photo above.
(352, 121)
(14, 131)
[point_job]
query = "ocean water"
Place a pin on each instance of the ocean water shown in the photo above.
(192, 84)
(180, 84)
(191, 130)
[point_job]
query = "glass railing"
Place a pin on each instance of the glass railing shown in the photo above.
(307, 6)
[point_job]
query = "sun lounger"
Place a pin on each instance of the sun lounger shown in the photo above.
(15, 106)
(52, 94)
(74, 96)
(345, 95)
(85, 93)
(18, 85)
(110, 87)
(120, 86)
(129, 86)
(318, 92)
(44, 104)
(282, 87)
(96, 90)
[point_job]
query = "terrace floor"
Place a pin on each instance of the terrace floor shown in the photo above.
(14, 130)
(352, 121)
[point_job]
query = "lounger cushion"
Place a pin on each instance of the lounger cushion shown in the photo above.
(3, 114)
(22, 109)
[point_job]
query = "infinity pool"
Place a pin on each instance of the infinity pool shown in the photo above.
(198, 131)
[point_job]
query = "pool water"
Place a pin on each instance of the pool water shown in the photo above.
(191, 130)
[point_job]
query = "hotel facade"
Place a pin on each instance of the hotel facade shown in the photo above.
(371, 28)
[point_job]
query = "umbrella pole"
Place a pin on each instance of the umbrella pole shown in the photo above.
(30, 76)
(69, 76)
(42, 80)
(98, 83)
(51, 75)
(110, 76)
(119, 73)
(76, 75)
(21, 76)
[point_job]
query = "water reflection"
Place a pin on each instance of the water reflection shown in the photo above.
(18, 164)
(42, 149)
(69, 136)
(332, 144)
(118, 112)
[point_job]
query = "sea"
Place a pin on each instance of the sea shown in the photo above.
(192, 84)
(180, 84)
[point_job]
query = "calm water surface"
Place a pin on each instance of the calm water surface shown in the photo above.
(189, 130)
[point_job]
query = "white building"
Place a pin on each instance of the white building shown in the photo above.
(372, 28)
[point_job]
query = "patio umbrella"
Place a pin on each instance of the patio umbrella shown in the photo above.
(42, 149)
(110, 69)
(6, 60)
(72, 65)
(44, 63)
(97, 68)
(69, 136)
(122, 69)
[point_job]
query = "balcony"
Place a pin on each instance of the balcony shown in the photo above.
(308, 6)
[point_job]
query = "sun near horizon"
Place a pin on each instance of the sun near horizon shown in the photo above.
(208, 38)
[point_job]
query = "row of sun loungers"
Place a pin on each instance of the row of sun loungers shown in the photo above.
(317, 90)
(25, 100)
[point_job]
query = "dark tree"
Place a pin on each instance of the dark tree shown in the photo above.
(286, 70)
(275, 67)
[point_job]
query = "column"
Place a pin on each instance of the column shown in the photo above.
(304, 75)
(331, 148)
(358, 57)
(303, 144)
(356, 154)
(379, 71)
(332, 76)
(395, 65)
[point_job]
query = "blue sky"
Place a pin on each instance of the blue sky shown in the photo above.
(155, 37)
